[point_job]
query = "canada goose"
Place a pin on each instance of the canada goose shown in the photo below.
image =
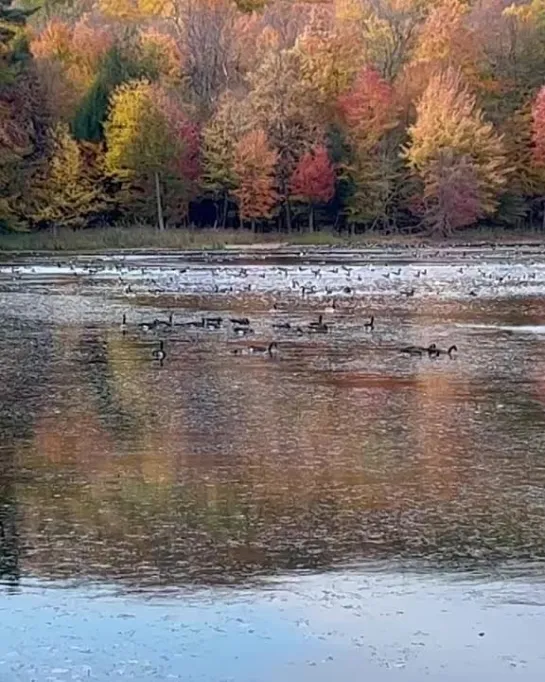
(192, 323)
(371, 324)
(163, 323)
(240, 321)
(408, 293)
(436, 352)
(211, 322)
(124, 324)
(420, 350)
(159, 353)
(320, 322)
(282, 325)
(243, 331)
(331, 308)
(270, 349)
(320, 328)
(147, 326)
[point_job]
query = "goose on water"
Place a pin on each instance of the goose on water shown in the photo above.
(264, 350)
(159, 353)
(436, 352)
(420, 350)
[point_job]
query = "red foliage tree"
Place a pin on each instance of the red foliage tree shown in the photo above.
(185, 134)
(451, 197)
(313, 180)
(369, 108)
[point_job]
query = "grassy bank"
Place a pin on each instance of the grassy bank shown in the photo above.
(147, 238)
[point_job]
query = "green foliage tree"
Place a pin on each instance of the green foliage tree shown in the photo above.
(116, 68)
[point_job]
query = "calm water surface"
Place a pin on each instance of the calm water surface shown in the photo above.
(338, 510)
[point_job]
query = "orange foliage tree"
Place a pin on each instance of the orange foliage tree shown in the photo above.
(254, 168)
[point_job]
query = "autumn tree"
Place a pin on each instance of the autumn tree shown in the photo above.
(313, 180)
(69, 59)
(283, 109)
(369, 115)
(204, 32)
(329, 64)
(385, 30)
(447, 40)
(21, 105)
(538, 128)
(254, 170)
(159, 57)
(230, 122)
(116, 68)
(450, 197)
(149, 139)
(538, 141)
(449, 122)
(71, 191)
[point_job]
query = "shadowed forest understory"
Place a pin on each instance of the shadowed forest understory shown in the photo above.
(374, 116)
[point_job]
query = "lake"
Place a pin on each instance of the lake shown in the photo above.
(335, 507)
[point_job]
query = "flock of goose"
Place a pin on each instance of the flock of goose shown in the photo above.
(332, 287)
(306, 274)
(241, 327)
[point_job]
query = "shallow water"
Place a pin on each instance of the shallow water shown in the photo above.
(338, 508)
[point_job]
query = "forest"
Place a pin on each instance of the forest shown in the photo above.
(386, 116)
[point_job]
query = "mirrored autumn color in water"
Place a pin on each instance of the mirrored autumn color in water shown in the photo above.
(321, 507)
(219, 468)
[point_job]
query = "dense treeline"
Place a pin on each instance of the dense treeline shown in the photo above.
(370, 114)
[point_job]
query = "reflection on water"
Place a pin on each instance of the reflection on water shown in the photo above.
(224, 469)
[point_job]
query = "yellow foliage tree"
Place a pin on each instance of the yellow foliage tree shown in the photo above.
(449, 120)
(136, 10)
(151, 142)
(69, 193)
(328, 65)
(446, 40)
(137, 137)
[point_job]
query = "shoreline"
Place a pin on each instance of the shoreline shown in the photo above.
(146, 240)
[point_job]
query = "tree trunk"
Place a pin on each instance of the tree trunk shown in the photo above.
(253, 225)
(160, 219)
(543, 222)
(225, 207)
(288, 216)
(311, 219)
